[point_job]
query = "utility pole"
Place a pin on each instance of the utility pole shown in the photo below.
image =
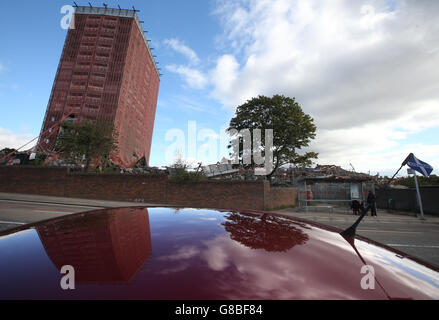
(418, 193)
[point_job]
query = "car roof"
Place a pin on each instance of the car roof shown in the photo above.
(184, 253)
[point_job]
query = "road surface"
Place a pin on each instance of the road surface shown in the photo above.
(404, 232)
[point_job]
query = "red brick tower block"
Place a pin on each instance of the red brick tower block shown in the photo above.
(107, 71)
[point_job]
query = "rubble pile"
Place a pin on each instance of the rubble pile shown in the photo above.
(284, 176)
(339, 173)
(140, 167)
(32, 158)
(10, 158)
(147, 170)
(224, 170)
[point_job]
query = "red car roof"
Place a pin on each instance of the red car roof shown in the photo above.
(169, 253)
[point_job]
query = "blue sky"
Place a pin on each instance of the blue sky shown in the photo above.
(364, 71)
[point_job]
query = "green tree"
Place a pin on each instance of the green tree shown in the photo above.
(292, 129)
(432, 180)
(86, 141)
(179, 171)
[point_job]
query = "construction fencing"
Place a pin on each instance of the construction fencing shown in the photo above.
(331, 196)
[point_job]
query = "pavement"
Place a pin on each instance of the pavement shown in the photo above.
(19, 209)
(400, 230)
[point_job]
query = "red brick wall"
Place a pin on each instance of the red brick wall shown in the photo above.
(154, 189)
(45, 180)
(145, 188)
(217, 194)
(280, 197)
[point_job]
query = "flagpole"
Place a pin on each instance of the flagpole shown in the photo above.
(419, 194)
(402, 165)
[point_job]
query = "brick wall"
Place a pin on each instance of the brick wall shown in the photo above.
(217, 194)
(255, 195)
(44, 180)
(144, 188)
(280, 197)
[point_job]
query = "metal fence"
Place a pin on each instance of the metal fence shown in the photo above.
(331, 196)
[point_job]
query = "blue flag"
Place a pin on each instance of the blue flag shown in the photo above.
(422, 167)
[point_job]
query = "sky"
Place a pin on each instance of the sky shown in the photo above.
(366, 71)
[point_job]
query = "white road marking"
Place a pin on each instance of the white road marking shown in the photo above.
(411, 222)
(12, 222)
(50, 204)
(410, 245)
(49, 211)
(394, 231)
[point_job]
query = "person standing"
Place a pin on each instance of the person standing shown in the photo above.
(355, 206)
(371, 203)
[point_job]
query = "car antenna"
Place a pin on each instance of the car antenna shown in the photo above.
(351, 241)
(350, 232)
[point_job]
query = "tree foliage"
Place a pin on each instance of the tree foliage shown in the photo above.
(179, 172)
(292, 128)
(85, 141)
(266, 232)
(432, 180)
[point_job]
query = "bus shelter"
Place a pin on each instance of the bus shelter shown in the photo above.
(332, 193)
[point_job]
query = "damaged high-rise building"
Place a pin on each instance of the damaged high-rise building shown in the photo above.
(107, 71)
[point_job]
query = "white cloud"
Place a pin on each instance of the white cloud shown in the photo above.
(194, 78)
(180, 47)
(9, 139)
(372, 152)
(185, 252)
(365, 70)
(224, 76)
